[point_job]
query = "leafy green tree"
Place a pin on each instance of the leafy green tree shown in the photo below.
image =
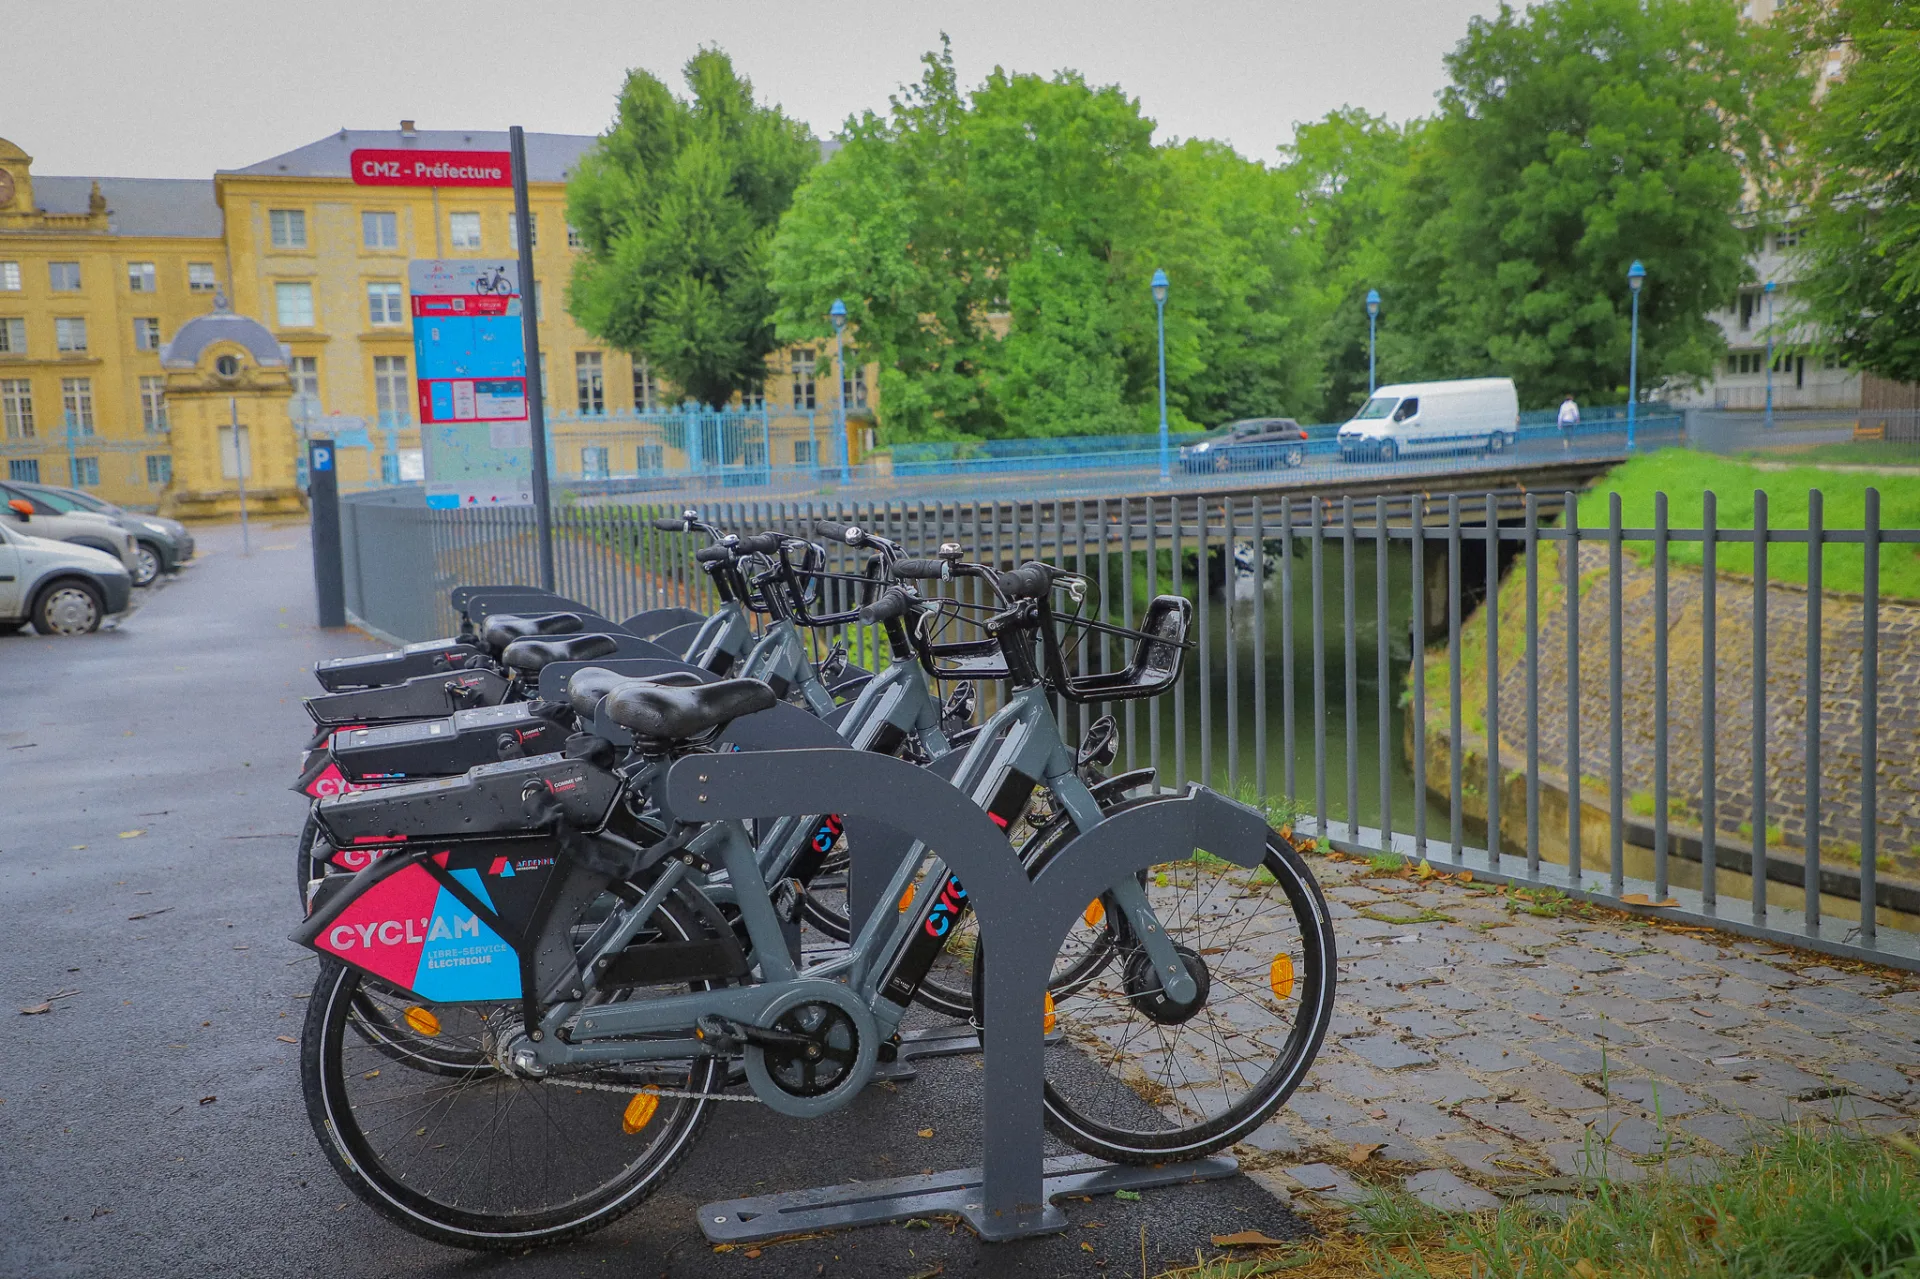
(1861, 275)
(1575, 137)
(994, 250)
(677, 205)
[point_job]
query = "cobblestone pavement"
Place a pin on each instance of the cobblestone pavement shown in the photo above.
(1479, 1051)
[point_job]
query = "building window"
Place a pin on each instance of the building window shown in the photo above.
(153, 405)
(70, 334)
(513, 230)
(853, 383)
(86, 473)
(146, 333)
(16, 408)
(1741, 362)
(649, 458)
(200, 277)
(24, 469)
(1829, 361)
(390, 393)
(287, 228)
(9, 277)
(305, 372)
(293, 302)
(590, 388)
(803, 452)
(159, 469)
(463, 230)
(380, 230)
(1787, 238)
(141, 278)
(64, 277)
(383, 303)
(593, 462)
(76, 400)
(13, 335)
(803, 370)
(754, 399)
(574, 239)
(646, 388)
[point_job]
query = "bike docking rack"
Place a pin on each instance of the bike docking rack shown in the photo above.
(1022, 921)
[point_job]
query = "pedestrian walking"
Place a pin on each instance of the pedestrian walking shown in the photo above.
(1569, 418)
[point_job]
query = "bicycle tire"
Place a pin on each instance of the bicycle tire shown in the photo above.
(433, 1195)
(1150, 1123)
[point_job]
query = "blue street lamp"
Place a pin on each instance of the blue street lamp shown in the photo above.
(1636, 276)
(1373, 313)
(1768, 291)
(1160, 313)
(838, 314)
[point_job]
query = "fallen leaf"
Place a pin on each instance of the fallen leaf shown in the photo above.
(1361, 1151)
(1464, 877)
(1585, 1270)
(1085, 1246)
(35, 1010)
(77, 847)
(149, 914)
(1129, 1195)
(286, 1039)
(1641, 899)
(753, 1252)
(1378, 1114)
(926, 1132)
(132, 834)
(1248, 1239)
(208, 1101)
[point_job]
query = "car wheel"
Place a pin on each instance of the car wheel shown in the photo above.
(1222, 463)
(1293, 458)
(68, 608)
(1496, 443)
(1389, 452)
(146, 563)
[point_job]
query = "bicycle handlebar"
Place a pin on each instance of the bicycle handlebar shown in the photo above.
(1031, 581)
(848, 533)
(893, 603)
(711, 555)
(671, 526)
(929, 570)
(759, 543)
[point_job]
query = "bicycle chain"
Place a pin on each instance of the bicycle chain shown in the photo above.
(686, 1094)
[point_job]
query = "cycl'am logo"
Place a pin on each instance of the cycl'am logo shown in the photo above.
(401, 932)
(946, 908)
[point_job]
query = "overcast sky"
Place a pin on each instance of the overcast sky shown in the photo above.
(141, 88)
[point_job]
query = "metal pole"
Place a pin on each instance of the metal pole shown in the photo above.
(1769, 296)
(1869, 717)
(1815, 556)
(1371, 322)
(240, 470)
(1633, 369)
(530, 327)
(1160, 320)
(840, 410)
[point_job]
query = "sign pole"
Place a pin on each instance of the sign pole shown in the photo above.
(323, 505)
(240, 469)
(536, 393)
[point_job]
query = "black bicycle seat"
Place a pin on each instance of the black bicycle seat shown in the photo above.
(503, 629)
(658, 713)
(587, 686)
(529, 655)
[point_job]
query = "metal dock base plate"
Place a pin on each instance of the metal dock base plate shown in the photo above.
(935, 1041)
(869, 1203)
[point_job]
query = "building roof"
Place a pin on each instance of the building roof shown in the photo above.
(222, 325)
(551, 157)
(138, 206)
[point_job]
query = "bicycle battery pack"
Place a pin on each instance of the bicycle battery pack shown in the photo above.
(443, 747)
(422, 697)
(378, 670)
(495, 799)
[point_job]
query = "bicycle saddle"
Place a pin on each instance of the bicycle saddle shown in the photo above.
(529, 655)
(659, 713)
(586, 687)
(503, 629)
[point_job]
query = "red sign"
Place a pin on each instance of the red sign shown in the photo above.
(482, 305)
(378, 168)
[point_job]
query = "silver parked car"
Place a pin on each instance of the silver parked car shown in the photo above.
(30, 513)
(160, 545)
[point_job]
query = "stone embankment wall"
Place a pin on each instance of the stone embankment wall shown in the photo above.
(1786, 705)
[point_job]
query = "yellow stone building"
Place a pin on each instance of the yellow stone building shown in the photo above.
(98, 274)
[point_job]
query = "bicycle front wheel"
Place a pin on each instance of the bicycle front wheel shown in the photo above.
(1143, 1079)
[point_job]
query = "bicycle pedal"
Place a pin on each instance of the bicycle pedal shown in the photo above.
(788, 897)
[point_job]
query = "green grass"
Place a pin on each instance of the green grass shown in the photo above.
(1805, 1204)
(1859, 453)
(1684, 475)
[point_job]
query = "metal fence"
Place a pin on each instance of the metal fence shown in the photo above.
(1487, 683)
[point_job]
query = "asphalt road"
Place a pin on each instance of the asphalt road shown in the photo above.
(151, 1123)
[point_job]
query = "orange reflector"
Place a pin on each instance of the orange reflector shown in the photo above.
(1048, 1021)
(1280, 977)
(1094, 913)
(906, 899)
(639, 1113)
(423, 1021)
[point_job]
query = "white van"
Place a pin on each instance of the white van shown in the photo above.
(1433, 417)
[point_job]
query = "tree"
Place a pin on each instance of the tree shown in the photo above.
(1860, 277)
(1574, 138)
(676, 206)
(994, 250)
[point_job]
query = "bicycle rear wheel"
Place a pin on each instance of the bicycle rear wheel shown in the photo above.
(1141, 1079)
(463, 1153)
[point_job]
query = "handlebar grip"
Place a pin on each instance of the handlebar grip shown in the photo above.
(829, 528)
(760, 543)
(670, 526)
(932, 570)
(1031, 581)
(710, 555)
(893, 602)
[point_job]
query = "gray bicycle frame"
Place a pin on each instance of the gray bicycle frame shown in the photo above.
(728, 632)
(1022, 736)
(780, 657)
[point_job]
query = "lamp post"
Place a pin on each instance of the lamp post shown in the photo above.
(1373, 313)
(1636, 276)
(1768, 291)
(838, 314)
(1160, 319)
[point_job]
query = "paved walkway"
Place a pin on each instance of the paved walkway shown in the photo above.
(1487, 1045)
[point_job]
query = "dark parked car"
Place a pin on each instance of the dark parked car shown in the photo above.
(1251, 444)
(160, 545)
